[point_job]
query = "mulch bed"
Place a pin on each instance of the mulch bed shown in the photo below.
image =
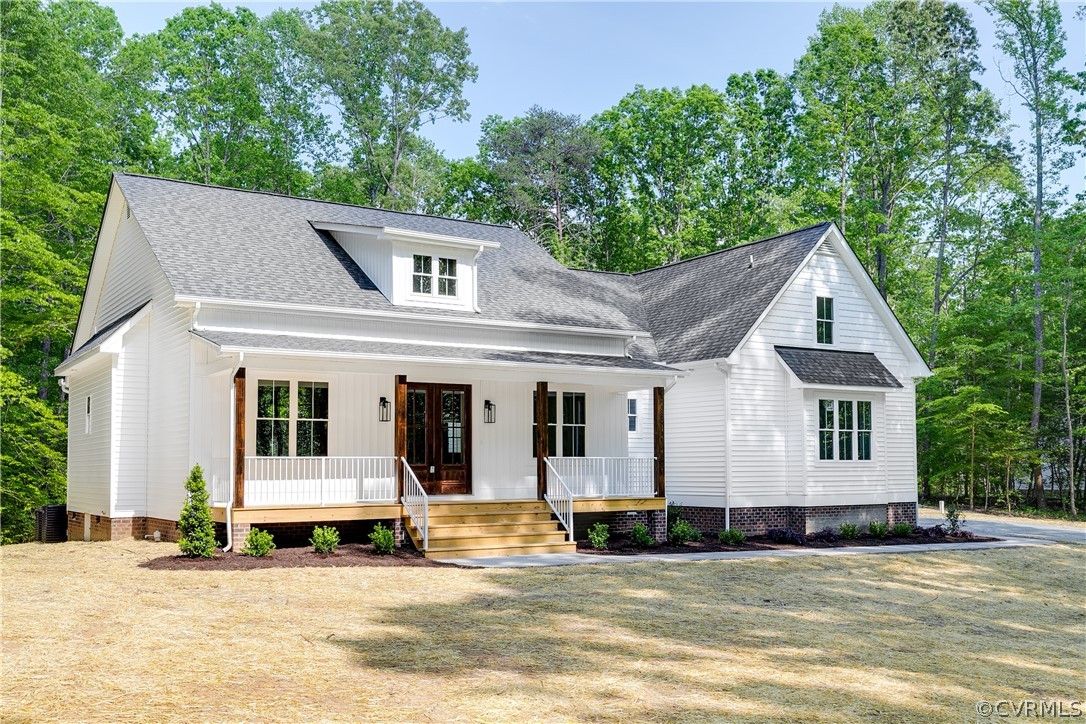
(348, 554)
(623, 547)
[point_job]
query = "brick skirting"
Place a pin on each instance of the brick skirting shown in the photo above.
(756, 521)
(622, 522)
(105, 528)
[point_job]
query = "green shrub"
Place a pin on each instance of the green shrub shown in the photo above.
(640, 536)
(902, 530)
(325, 539)
(877, 529)
(683, 532)
(954, 521)
(197, 529)
(850, 531)
(598, 535)
(382, 539)
(258, 543)
(732, 537)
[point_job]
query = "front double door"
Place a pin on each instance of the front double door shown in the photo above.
(439, 436)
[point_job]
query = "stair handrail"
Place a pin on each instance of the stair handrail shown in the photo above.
(559, 497)
(416, 502)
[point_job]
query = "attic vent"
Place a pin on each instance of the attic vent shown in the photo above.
(827, 247)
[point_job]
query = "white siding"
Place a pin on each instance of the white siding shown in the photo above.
(132, 275)
(130, 407)
(89, 454)
(641, 440)
(694, 424)
(373, 256)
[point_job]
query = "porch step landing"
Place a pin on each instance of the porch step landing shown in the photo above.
(472, 529)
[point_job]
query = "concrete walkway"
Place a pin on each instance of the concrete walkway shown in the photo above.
(574, 559)
(994, 526)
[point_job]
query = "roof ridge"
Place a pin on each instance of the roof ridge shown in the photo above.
(319, 201)
(733, 248)
(600, 271)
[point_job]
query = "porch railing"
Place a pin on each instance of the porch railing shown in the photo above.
(416, 502)
(607, 477)
(319, 480)
(559, 497)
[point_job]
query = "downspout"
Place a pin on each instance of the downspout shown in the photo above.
(475, 281)
(233, 462)
(723, 369)
(196, 317)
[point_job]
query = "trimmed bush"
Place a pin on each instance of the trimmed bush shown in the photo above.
(682, 531)
(732, 537)
(786, 535)
(850, 531)
(197, 529)
(902, 530)
(598, 535)
(382, 539)
(954, 521)
(325, 539)
(259, 543)
(640, 536)
(877, 529)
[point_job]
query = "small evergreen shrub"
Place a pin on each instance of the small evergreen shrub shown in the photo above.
(259, 543)
(850, 531)
(640, 536)
(325, 539)
(732, 537)
(382, 539)
(682, 531)
(786, 535)
(902, 530)
(196, 528)
(598, 535)
(826, 535)
(936, 531)
(878, 530)
(954, 521)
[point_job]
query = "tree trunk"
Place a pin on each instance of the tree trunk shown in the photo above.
(1038, 312)
(1008, 484)
(972, 458)
(43, 371)
(1067, 403)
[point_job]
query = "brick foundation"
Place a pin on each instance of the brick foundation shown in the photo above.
(297, 535)
(105, 528)
(622, 522)
(756, 521)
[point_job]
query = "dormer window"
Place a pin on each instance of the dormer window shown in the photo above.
(422, 278)
(824, 320)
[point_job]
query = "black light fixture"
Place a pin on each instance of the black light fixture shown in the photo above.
(384, 410)
(488, 411)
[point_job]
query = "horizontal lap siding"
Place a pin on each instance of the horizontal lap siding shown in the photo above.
(694, 423)
(758, 444)
(130, 408)
(89, 459)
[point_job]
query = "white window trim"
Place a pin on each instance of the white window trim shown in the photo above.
(293, 379)
(87, 424)
(435, 277)
(631, 414)
(836, 461)
(833, 320)
(560, 424)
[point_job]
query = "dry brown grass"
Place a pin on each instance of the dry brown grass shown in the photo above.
(87, 634)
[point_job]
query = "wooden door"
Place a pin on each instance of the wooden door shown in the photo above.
(439, 436)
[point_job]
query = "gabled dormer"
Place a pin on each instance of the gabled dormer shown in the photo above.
(414, 268)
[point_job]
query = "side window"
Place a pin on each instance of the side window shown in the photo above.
(87, 420)
(825, 429)
(844, 429)
(273, 418)
(446, 277)
(422, 280)
(631, 413)
(573, 424)
(863, 430)
(552, 423)
(824, 320)
(312, 426)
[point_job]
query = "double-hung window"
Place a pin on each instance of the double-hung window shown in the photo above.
(571, 432)
(631, 413)
(422, 279)
(273, 418)
(286, 419)
(446, 277)
(423, 273)
(844, 429)
(312, 425)
(824, 320)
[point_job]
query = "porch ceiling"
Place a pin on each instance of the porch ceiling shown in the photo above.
(266, 343)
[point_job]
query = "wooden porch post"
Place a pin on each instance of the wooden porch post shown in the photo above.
(658, 437)
(239, 438)
(401, 430)
(541, 443)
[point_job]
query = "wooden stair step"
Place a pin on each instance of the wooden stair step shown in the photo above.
(496, 541)
(518, 550)
(513, 506)
(457, 530)
(464, 518)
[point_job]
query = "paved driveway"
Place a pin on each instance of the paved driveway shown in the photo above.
(1012, 527)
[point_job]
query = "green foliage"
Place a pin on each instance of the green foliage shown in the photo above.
(850, 531)
(259, 543)
(195, 525)
(878, 529)
(382, 539)
(682, 531)
(732, 537)
(954, 521)
(598, 536)
(641, 537)
(901, 530)
(325, 539)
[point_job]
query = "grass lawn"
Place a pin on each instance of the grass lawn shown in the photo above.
(89, 634)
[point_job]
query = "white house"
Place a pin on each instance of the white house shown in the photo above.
(332, 363)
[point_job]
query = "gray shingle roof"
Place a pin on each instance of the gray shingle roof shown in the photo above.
(232, 244)
(701, 308)
(288, 343)
(833, 367)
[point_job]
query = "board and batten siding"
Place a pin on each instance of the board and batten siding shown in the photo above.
(89, 453)
(695, 428)
(131, 373)
(372, 255)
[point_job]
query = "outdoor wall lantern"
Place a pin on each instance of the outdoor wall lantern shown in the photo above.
(488, 411)
(385, 410)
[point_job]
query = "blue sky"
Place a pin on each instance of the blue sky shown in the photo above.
(583, 57)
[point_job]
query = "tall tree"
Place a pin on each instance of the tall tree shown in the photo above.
(389, 68)
(1032, 37)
